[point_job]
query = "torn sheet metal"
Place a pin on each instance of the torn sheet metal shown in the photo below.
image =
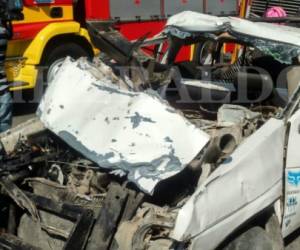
(11, 137)
(205, 91)
(229, 114)
(251, 180)
(135, 132)
(280, 41)
(221, 86)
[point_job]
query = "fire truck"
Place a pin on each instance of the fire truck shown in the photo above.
(54, 29)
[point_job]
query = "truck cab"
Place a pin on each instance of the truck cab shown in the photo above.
(54, 29)
(48, 33)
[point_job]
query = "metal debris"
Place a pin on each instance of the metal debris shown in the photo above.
(116, 166)
(119, 129)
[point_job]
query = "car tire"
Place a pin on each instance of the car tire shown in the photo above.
(256, 238)
(54, 58)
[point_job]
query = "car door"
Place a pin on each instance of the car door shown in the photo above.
(291, 217)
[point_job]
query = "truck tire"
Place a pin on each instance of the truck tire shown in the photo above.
(203, 51)
(255, 238)
(54, 58)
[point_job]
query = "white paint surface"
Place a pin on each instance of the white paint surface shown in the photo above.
(249, 181)
(197, 22)
(136, 132)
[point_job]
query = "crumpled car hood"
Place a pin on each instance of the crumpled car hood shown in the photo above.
(136, 133)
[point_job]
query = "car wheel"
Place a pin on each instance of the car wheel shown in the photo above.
(204, 52)
(255, 238)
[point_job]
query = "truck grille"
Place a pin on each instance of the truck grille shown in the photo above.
(290, 6)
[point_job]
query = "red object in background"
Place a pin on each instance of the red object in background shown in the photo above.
(136, 30)
(133, 31)
(229, 47)
(97, 9)
(27, 31)
(137, 2)
(55, 2)
(184, 54)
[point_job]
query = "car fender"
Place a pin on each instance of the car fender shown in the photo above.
(249, 181)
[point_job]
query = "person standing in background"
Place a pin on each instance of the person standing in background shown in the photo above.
(9, 10)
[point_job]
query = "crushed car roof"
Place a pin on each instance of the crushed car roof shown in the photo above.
(271, 38)
(196, 22)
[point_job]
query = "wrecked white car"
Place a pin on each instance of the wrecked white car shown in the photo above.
(110, 164)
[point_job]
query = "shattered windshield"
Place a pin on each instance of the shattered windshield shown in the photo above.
(282, 52)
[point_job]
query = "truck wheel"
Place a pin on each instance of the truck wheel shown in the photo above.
(204, 52)
(55, 57)
(255, 238)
